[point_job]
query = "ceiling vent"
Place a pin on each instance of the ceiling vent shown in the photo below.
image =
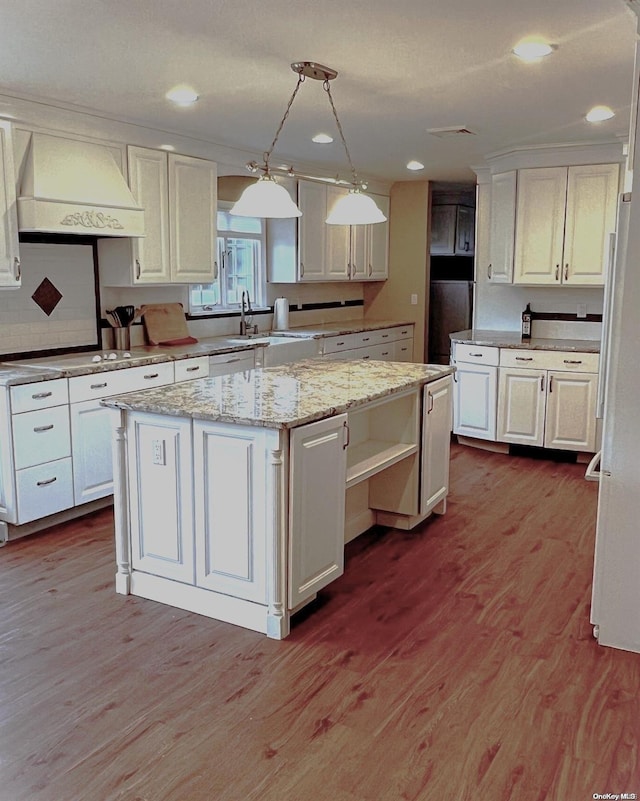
(454, 130)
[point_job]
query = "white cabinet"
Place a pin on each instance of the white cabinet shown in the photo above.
(563, 221)
(317, 476)
(235, 362)
(92, 451)
(475, 390)
(35, 448)
(161, 492)
(452, 230)
(310, 250)
(547, 406)
(502, 222)
(179, 197)
(190, 369)
(10, 275)
(436, 438)
(382, 344)
(231, 538)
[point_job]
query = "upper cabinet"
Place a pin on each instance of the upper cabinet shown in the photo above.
(563, 220)
(550, 225)
(10, 276)
(452, 230)
(179, 197)
(307, 249)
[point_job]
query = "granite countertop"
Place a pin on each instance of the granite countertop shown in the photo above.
(282, 397)
(340, 329)
(513, 339)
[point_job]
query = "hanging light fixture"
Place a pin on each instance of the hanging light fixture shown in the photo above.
(266, 198)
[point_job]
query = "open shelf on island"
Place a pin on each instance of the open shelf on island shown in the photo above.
(372, 456)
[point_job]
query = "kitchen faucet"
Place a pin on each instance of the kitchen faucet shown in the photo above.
(244, 325)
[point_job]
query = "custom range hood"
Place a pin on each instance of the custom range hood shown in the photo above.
(73, 187)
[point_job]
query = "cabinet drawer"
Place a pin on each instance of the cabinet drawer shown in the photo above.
(41, 436)
(550, 360)
(152, 375)
(476, 354)
(41, 395)
(188, 369)
(402, 332)
(224, 363)
(44, 490)
(98, 385)
(343, 342)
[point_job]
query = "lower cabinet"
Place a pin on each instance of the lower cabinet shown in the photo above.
(475, 398)
(317, 476)
(91, 451)
(436, 438)
(548, 408)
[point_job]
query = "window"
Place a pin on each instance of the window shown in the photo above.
(240, 263)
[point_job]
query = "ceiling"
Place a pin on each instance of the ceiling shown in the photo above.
(404, 67)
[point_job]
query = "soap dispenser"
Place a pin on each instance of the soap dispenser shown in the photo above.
(526, 322)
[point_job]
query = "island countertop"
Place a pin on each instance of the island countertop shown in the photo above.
(282, 397)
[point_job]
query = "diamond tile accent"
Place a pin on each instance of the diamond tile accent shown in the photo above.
(47, 296)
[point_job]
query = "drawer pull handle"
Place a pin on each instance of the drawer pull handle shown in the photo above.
(38, 429)
(573, 361)
(40, 395)
(366, 339)
(340, 343)
(366, 357)
(230, 361)
(403, 349)
(557, 272)
(385, 352)
(385, 336)
(99, 386)
(151, 375)
(430, 407)
(192, 369)
(524, 358)
(477, 355)
(46, 481)
(566, 272)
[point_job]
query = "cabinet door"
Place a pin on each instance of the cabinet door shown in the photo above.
(317, 479)
(379, 244)
(521, 405)
(502, 227)
(10, 276)
(231, 509)
(475, 390)
(571, 411)
(193, 201)
(148, 180)
(359, 252)
(436, 438)
(443, 230)
(592, 195)
(91, 451)
(338, 239)
(160, 496)
(465, 228)
(312, 202)
(540, 225)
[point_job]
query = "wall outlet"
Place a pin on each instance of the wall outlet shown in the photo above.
(158, 452)
(414, 300)
(582, 310)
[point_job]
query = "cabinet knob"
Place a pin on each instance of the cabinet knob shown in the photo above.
(17, 268)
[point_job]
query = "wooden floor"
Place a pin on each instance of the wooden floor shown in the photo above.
(453, 662)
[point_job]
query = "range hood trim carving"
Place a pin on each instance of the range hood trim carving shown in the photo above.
(74, 187)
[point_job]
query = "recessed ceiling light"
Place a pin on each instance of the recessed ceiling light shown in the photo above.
(532, 48)
(599, 113)
(415, 165)
(182, 95)
(322, 139)
(167, 147)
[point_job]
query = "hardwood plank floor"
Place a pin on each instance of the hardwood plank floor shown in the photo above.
(455, 661)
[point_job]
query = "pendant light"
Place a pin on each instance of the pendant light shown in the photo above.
(266, 198)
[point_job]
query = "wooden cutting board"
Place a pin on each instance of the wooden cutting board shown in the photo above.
(166, 324)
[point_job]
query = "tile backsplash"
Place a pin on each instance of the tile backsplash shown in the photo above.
(49, 270)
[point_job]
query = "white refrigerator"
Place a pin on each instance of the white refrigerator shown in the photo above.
(615, 608)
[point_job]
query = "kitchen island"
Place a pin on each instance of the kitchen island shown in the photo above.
(231, 491)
